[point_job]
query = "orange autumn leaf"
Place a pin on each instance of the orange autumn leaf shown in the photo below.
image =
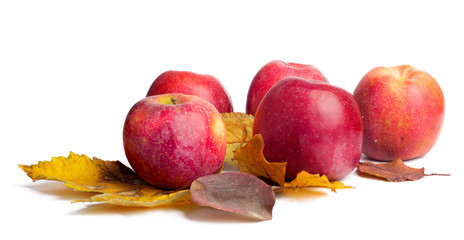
(395, 171)
(117, 183)
(305, 179)
(251, 160)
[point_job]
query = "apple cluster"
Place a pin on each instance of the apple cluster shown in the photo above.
(176, 134)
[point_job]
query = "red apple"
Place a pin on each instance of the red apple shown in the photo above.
(205, 86)
(272, 72)
(172, 139)
(311, 125)
(402, 109)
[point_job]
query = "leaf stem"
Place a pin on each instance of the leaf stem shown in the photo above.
(438, 174)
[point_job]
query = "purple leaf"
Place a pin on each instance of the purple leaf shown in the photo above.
(234, 192)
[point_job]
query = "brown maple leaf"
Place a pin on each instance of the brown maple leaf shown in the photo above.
(395, 171)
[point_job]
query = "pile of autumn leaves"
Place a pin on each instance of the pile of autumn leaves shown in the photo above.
(250, 190)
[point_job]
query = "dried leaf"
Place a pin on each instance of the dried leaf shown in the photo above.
(236, 123)
(251, 160)
(395, 171)
(234, 192)
(145, 196)
(229, 158)
(239, 127)
(304, 179)
(118, 183)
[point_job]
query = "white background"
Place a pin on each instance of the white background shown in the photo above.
(71, 70)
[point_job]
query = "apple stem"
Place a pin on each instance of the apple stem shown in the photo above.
(174, 100)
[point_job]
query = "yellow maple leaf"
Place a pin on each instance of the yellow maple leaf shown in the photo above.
(305, 179)
(235, 123)
(251, 160)
(239, 127)
(144, 196)
(117, 183)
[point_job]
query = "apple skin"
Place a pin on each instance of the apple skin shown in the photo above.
(311, 125)
(205, 86)
(170, 145)
(403, 110)
(274, 71)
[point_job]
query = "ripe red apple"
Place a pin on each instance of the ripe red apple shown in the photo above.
(172, 139)
(205, 86)
(402, 109)
(311, 125)
(274, 71)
